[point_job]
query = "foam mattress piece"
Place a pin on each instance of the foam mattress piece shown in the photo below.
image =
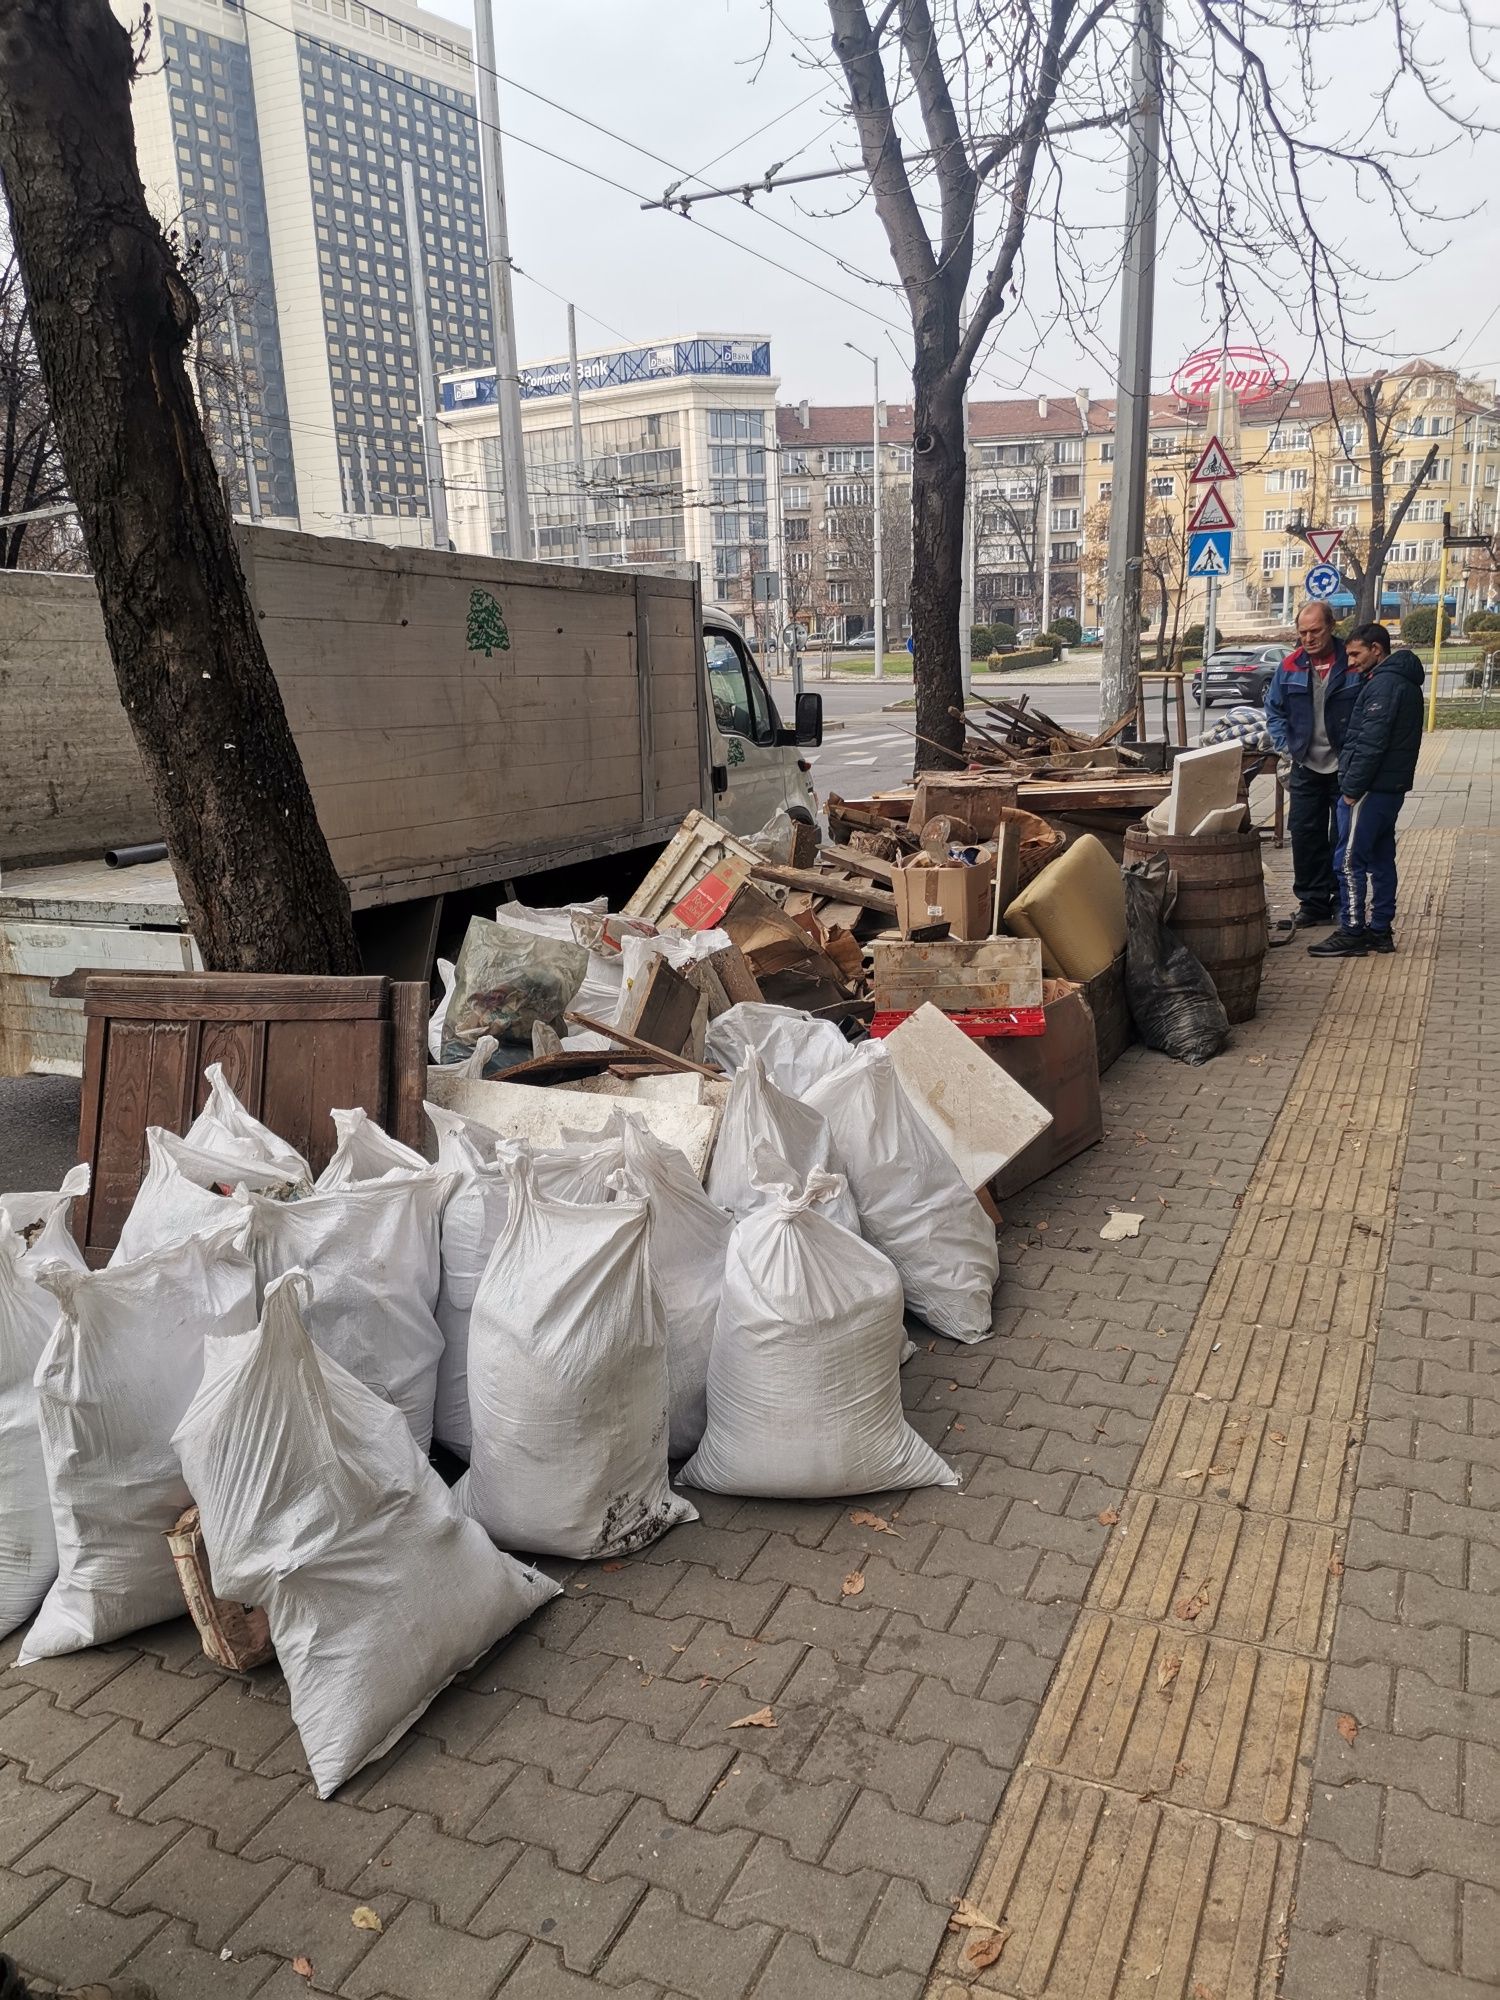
(1076, 907)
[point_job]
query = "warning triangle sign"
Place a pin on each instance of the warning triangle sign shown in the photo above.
(1213, 465)
(1323, 541)
(1211, 512)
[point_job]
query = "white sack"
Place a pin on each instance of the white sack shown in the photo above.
(365, 1152)
(797, 1049)
(473, 1217)
(176, 1197)
(317, 1506)
(913, 1203)
(225, 1126)
(760, 1117)
(28, 1545)
(568, 1382)
(375, 1257)
(122, 1364)
(804, 1385)
(689, 1240)
(29, 1213)
(440, 1011)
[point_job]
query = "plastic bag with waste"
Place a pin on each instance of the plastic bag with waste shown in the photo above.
(804, 1382)
(1173, 1001)
(225, 1126)
(365, 1152)
(506, 979)
(186, 1189)
(29, 1213)
(318, 1506)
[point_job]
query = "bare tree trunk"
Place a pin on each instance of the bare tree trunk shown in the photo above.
(112, 317)
(937, 530)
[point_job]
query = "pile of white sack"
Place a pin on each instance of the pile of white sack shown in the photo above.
(283, 1351)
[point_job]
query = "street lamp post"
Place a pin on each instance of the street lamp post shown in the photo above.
(879, 580)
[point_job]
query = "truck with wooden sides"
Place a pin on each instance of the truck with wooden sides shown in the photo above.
(471, 729)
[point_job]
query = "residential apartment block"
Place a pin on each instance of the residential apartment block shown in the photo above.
(271, 141)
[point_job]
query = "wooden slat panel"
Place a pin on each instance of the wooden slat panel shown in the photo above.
(236, 996)
(411, 1002)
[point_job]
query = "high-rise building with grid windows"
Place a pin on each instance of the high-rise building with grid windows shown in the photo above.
(271, 136)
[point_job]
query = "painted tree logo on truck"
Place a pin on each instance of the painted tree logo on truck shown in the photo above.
(487, 631)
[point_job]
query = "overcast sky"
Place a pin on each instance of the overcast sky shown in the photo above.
(694, 80)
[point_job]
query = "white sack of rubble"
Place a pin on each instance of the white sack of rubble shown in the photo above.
(120, 1367)
(797, 1049)
(757, 1118)
(913, 1203)
(568, 1381)
(318, 1506)
(187, 1191)
(225, 1126)
(804, 1383)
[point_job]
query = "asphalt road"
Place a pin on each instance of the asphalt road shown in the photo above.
(873, 748)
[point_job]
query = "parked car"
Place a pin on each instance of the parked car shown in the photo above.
(1240, 673)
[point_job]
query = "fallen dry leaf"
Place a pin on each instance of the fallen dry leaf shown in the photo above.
(1335, 1564)
(1193, 1472)
(1276, 1437)
(609, 1567)
(1167, 1672)
(968, 1916)
(763, 1718)
(302, 1967)
(1348, 1728)
(863, 1518)
(852, 1584)
(366, 1919)
(959, 1427)
(1200, 1991)
(982, 1951)
(1189, 1607)
(1107, 1516)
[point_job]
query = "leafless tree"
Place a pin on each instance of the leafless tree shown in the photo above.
(857, 546)
(975, 124)
(1164, 570)
(112, 317)
(1381, 408)
(31, 471)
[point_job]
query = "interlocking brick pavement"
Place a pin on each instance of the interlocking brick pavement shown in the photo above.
(577, 1815)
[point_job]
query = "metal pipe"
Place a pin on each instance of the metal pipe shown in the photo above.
(502, 303)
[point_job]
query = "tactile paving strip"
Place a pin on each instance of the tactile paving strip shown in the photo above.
(1145, 1849)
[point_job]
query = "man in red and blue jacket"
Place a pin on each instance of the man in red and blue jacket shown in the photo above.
(1309, 703)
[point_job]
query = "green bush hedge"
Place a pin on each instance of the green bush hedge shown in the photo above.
(1419, 625)
(1068, 630)
(1482, 621)
(1026, 656)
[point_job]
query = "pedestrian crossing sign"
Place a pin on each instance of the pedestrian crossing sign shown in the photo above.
(1208, 552)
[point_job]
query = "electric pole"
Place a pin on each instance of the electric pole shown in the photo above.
(581, 530)
(502, 305)
(432, 452)
(879, 581)
(1118, 679)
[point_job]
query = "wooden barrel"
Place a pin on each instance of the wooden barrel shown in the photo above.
(1220, 912)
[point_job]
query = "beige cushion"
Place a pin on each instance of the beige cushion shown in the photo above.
(1076, 907)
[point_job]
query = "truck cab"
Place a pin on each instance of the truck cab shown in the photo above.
(755, 762)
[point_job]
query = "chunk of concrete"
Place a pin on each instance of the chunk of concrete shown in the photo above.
(980, 1116)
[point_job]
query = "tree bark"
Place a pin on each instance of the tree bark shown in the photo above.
(112, 317)
(937, 535)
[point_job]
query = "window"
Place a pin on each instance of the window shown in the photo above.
(1295, 437)
(798, 531)
(1274, 520)
(840, 593)
(1068, 487)
(1345, 477)
(799, 559)
(1163, 486)
(1106, 487)
(1064, 518)
(1270, 561)
(1298, 479)
(1107, 452)
(1160, 446)
(899, 456)
(850, 459)
(1352, 437)
(842, 494)
(1276, 482)
(794, 461)
(1345, 517)
(741, 705)
(1065, 552)
(1296, 558)
(1403, 552)
(1068, 451)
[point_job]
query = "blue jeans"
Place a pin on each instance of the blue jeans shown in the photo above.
(1365, 861)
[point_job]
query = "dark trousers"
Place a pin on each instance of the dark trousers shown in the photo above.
(1313, 798)
(1366, 861)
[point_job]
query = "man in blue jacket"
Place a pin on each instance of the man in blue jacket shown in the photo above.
(1309, 701)
(1377, 767)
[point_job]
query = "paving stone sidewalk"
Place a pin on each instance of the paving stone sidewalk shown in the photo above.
(578, 1815)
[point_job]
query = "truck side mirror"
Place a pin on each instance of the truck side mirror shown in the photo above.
(810, 719)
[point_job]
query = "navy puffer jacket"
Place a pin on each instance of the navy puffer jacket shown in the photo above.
(1385, 731)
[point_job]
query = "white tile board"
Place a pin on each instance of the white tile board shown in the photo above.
(538, 1114)
(979, 1113)
(1202, 781)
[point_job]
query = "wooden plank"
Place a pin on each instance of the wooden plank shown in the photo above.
(860, 864)
(957, 975)
(233, 996)
(826, 885)
(638, 1047)
(410, 1006)
(662, 1009)
(738, 981)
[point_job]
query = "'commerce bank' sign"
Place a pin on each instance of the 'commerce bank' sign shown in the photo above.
(1250, 373)
(618, 370)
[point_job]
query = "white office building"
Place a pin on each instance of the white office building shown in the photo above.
(276, 138)
(679, 460)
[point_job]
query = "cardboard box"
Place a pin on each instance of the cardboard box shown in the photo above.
(1061, 1071)
(962, 896)
(1114, 1030)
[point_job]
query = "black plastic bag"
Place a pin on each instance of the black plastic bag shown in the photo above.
(1173, 1002)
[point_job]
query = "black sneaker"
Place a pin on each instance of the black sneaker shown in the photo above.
(1340, 944)
(1381, 941)
(1311, 918)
